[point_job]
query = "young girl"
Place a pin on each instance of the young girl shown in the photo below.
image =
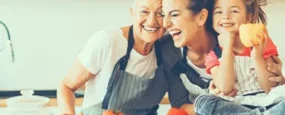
(241, 68)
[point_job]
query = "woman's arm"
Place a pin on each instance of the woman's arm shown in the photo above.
(276, 69)
(262, 73)
(89, 62)
(78, 76)
(177, 93)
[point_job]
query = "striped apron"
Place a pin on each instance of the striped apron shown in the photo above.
(249, 89)
(131, 94)
(193, 82)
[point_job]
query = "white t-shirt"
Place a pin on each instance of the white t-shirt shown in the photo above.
(201, 71)
(194, 90)
(99, 57)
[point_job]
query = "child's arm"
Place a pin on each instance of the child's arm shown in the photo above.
(223, 74)
(261, 54)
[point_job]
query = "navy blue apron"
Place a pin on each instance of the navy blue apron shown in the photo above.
(182, 67)
(131, 94)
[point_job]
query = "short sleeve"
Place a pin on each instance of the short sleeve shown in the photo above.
(95, 52)
(211, 61)
(270, 49)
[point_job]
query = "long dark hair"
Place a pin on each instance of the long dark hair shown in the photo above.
(197, 5)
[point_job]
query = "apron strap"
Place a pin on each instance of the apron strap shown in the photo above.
(218, 51)
(122, 64)
(193, 76)
(158, 53)
(124, 61)
(184, 55)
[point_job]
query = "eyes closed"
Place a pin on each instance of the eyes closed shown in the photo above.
(173, 13)
(146, 12)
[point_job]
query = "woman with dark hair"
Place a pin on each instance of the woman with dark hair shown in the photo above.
(189, 23)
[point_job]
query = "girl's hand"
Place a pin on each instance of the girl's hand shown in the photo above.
(258, 49)
(215, 91)
(226, 39)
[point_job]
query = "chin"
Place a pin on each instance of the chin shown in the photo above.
(148, 39)
(178, 44)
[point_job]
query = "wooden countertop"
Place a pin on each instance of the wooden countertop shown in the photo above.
(78, 101)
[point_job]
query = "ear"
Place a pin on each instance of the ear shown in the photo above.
(201, 17)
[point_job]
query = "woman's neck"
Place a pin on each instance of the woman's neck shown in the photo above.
(140, 46)
(198, 50)
(203, 45)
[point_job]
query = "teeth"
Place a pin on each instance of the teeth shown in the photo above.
(150, 29)
(174, 32)
(227, 25)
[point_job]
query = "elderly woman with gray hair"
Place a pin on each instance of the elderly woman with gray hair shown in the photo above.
(122, 69)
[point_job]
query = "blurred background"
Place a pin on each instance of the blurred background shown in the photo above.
(47, 36)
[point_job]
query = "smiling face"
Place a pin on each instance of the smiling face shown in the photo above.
(228, 15)
(147, 20)
(180, 22)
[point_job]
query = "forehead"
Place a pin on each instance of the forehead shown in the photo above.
(229, 3)
(174, 4)
(150, 4)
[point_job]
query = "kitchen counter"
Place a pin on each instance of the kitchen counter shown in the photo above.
(162, 110)
(52, 102)
(78, 101)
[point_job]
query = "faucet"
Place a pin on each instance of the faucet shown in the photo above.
(9, 41)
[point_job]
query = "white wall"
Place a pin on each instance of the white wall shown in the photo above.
(275, 11)
(48, 34)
